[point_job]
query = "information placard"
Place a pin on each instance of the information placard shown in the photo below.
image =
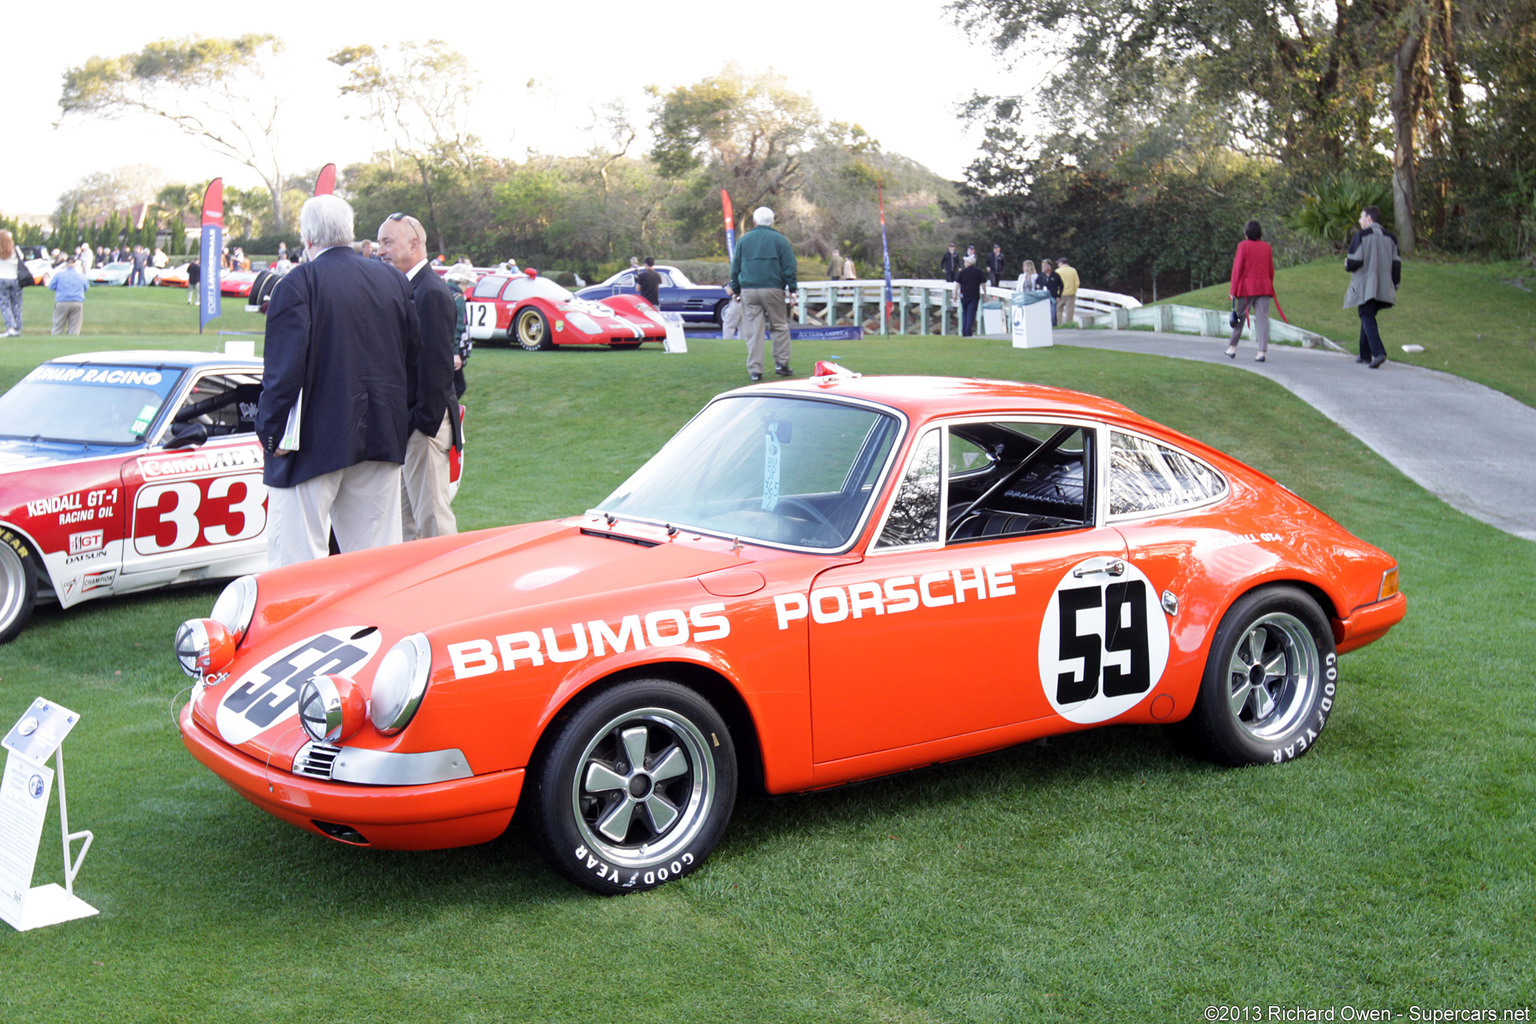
(24, 791)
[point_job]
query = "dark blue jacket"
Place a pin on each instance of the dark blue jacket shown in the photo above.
(345, 331)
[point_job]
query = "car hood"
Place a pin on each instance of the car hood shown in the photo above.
(487, 581)
(17, 454)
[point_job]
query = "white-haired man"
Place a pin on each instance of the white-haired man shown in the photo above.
(342, 344)
(425, 511)
(763, 274)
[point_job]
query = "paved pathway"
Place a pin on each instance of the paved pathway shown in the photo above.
(1470, 446)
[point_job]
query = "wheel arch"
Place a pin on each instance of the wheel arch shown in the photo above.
(44, 575)
(703, 680)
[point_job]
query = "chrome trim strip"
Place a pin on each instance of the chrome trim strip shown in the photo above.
(383, 768)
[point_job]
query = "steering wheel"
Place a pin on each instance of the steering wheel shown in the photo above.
(815, 513)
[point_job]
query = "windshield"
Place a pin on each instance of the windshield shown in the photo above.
(88, 404)
(793, 471)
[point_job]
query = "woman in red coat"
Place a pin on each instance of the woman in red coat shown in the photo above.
(1253, 285)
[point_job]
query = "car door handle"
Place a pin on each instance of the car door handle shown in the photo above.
(1113, 567)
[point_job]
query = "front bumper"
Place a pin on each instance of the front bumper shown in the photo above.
(430, 817)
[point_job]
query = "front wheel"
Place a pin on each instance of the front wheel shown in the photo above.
(531, 329)
(1269, 682)
(635, 788)
(18, 583)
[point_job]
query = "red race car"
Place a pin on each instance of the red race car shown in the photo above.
(537, 313)
(126, 471)
(812, 583)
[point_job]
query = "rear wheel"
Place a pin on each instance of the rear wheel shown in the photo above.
(720, 311)
(531, 329)
(635, 788)
(18, 583)
(1269, 683)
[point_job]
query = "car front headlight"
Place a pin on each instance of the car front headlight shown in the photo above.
(331, 708)
(236, 606)
(400, 683)
(204, 647)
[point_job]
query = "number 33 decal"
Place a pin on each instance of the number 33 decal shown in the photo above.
(1103, 643)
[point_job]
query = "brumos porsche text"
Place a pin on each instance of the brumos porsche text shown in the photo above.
(895, 595)
(596, 638)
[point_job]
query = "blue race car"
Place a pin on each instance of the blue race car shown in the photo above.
(698, 303)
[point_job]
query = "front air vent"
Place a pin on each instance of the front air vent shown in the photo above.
(315, 760)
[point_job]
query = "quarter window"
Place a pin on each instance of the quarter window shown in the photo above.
(1146, 476)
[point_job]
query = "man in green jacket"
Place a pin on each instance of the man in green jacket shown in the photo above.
(763, 277)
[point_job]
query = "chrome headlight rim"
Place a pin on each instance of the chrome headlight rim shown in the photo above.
(330, 708)
(236, 606)
(192, 646)
(400, 684)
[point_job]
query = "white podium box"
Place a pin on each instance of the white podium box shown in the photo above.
(1031, 319)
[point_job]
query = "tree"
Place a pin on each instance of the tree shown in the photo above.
(419, 95)
(745, 133)
(1323, 88)
(212, 90)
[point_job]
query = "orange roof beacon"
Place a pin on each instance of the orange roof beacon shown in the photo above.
(811, 583)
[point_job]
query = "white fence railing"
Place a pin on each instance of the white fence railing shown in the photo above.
(921, 306)
(930, 306)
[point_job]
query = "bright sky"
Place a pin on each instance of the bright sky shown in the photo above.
(900, 73)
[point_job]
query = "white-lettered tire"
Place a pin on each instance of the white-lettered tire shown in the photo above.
(635, 788)
(531, 329)
(1269, 684)
(18, 583)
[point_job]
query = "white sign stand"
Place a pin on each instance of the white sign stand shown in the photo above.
(676, 340)
(24, 788)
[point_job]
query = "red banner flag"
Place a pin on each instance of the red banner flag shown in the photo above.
(325, 184)
(730, 224)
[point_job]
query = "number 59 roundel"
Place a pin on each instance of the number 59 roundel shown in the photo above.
(1103, 642)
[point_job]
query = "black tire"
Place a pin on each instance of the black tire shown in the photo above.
(720, 312)
(613, 825)
(1269, 683)
(530, 329)
(18, 583)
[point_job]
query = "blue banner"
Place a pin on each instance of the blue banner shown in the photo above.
(209, 257)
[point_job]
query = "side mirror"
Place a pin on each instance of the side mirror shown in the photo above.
(188, 435)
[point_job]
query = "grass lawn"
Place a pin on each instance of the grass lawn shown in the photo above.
(1096, 877)
(1476, 320)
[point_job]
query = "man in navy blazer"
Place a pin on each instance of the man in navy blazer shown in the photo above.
(434, 413)
(342, 344)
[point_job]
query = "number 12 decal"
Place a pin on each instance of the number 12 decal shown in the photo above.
(1103, 642)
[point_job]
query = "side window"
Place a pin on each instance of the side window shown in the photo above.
(1145, 476)
(488, 286)
(914, 517)
(1010, 478)
(626, 280)
(224, 403)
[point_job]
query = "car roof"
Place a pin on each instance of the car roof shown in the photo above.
(923, 399)
(162, 358)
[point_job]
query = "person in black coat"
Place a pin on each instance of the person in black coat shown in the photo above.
(970, 281)
(342, 345)
(995, 265)
(425, 508)
(950, 264)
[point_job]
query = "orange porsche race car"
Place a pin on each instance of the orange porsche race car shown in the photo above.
(811, 583)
